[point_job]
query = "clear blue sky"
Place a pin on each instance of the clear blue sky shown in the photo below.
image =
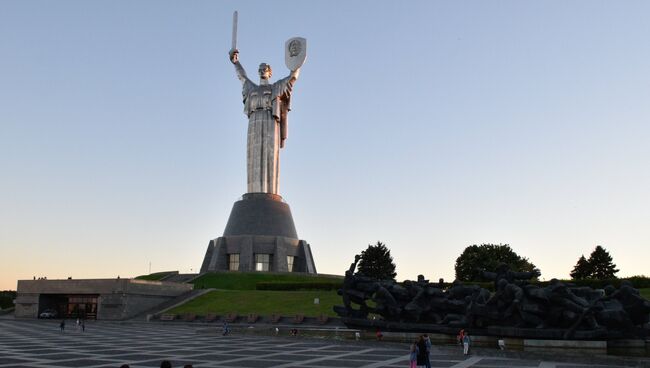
(427, 125)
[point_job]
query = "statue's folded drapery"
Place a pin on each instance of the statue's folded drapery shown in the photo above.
(266, 106)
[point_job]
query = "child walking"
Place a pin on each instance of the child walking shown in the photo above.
(466, 342)
(413, 359)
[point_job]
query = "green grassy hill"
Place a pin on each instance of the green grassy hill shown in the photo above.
(286, 303)
(237, 293)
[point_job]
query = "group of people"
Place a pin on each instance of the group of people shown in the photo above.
(464, 340)
(80, 324)
(421, 349)
(420, 352)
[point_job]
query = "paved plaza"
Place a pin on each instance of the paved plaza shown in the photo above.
(40, 344)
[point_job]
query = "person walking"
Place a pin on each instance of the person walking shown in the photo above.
(62, 325)
(427, 342)
(422, 352)
(466, 343)
(83, 325)
(413, 357)
(460, 336)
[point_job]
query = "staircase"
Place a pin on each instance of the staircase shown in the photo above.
(181, 299)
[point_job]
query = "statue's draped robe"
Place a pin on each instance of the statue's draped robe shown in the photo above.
(266, 107)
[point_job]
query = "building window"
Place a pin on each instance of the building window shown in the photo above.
(290, 263)
(262, 262)
(233, 262)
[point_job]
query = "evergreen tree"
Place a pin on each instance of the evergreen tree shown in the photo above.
(582, 269)
(477, 258)
(601, 264)
(377, 262)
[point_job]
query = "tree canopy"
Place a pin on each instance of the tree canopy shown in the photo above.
(582, 269)
(377, 262)
(599, 266)
(477, 258)
(6, 299)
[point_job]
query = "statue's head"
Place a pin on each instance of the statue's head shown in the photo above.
(501, 284)
(265, 71)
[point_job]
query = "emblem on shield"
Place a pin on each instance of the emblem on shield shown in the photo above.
(295, 52)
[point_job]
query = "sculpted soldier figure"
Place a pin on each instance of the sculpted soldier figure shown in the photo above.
(354, 290)
(266, 106)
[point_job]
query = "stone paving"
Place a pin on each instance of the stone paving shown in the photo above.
(40, 344)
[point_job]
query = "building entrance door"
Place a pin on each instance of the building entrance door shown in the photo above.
(82, 306)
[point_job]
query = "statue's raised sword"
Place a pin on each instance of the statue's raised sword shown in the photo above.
(234, 32)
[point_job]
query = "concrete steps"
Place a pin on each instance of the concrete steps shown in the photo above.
(181, 299)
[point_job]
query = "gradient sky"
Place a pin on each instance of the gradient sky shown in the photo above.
(427, 125)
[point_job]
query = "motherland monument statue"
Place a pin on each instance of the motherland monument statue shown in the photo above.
(267, 105)
(260, 234)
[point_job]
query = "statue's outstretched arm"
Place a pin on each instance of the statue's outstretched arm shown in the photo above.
(241, 73)
(354, 264)
(294, 75)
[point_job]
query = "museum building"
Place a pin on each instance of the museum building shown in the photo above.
(104, 299)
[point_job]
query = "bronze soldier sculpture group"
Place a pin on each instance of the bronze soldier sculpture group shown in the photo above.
(516, 308)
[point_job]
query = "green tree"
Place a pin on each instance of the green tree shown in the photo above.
(582, 269)
(377, 262)
(477, 258)
(602, 265)
(6, 299)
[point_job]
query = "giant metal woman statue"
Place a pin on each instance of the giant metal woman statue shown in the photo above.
(266, 106)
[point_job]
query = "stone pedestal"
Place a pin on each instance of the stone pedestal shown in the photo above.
(259, 223)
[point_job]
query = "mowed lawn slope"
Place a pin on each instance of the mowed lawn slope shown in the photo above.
(286, 303)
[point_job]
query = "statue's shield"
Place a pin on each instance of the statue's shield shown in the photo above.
(295, 52)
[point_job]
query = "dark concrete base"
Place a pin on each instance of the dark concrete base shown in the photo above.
(261, 214)
(216, 257)
(259, 223)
